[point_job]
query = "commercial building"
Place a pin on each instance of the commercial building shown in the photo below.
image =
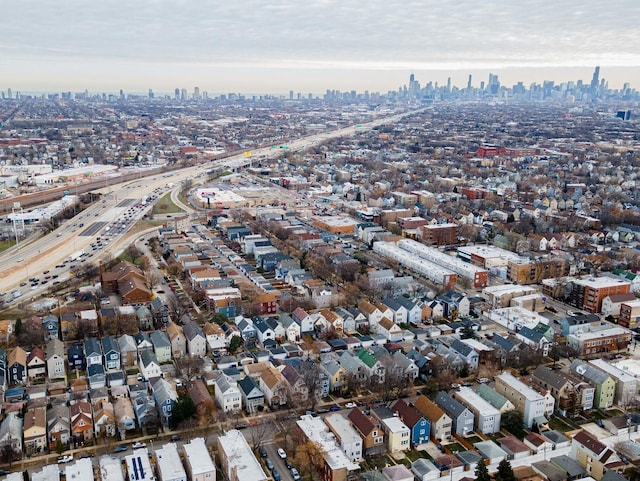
(527, 271)
(600, 338)
(587, 293)
(439, 234)
(629, 314)
(526, 399)
(486, 256)
(337, 466)
(237, 459)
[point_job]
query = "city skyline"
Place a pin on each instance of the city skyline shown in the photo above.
(275, 48)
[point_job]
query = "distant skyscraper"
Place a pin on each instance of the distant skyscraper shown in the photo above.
(151, 94)
(196, 93)
(494, 84)
(176, 93)
(595, 80)
(183, 94)
(469, 83)
(9, 93)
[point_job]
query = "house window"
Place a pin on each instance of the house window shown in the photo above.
(377, 440)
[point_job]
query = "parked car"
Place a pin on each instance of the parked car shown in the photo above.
(241, 426)
(334, 408)
(350, 405)
(121, 448)
(263, 452)
(295, 474)
(175, 437)
(138, 445)
(268, 464)
(276, 475)
(282, 453)
(67, 458)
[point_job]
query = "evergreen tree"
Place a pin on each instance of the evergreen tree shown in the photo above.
(505, 472)
(482, 473)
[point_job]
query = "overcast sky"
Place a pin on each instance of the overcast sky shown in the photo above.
(275, 46)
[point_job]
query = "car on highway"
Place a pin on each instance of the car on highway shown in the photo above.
(282, 453)
(67, 458)
(120, 448)
(20, 259)
(138, 445)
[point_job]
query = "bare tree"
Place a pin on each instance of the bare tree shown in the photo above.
(153, 279)
(311, 373)
(189, 366)
(259, 434)
(177, 308)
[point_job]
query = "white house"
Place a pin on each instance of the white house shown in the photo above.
(196, 342)
(149, 366)
(227, 394)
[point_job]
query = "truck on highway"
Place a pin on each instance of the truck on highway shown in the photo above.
(76, 255)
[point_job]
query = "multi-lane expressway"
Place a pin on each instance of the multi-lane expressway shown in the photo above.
(117, 212)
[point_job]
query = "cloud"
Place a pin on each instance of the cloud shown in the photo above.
(388, 34)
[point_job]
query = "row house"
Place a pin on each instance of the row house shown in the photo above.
(17, 366)
(215, 337)
(487, 417)
(397, 434)
(128, 351)
(224, 300)
(196, 341)
(37, 364)
(274, 387)
(528, 401)
(201, 398)
(165, 397)
(35, 431)
(81, 422)
(605, 386)
(54, 354)
(104, 418)
(571, 394)
(177, 339)
(461, 417)
(227, 394)
(161, 346)
(58, 425)
(111, 352)
(252, 396)
(11, 431)
(297, 387)
(440, 422)
(369, 430)
(419, 426)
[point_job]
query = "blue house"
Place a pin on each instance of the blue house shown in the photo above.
(51, 326)
(415, 421)
(165, 397)
(75, 357)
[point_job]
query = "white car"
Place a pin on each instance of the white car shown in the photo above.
(350, 405)
(282, 453)
(67, 458)
(138, 445)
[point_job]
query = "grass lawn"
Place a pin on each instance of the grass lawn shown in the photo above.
(455, 447)
(473, 439)
(166, 206)
(414, 455)
(4, 245)
(559, 425)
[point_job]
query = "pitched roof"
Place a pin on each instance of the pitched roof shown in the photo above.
(408, 414)
(451, 406)
(361, 422)
(192, 330)
(590, 442)
(18, 355)
(429, 409)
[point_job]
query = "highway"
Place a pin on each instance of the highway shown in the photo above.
(31, 259)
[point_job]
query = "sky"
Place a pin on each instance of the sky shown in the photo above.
(274, 46)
